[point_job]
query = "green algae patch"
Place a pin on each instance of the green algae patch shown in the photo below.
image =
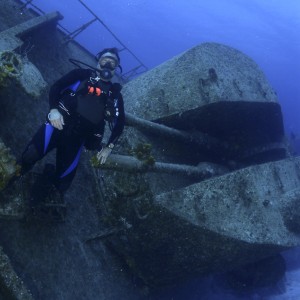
(8, 165)
(10, 67)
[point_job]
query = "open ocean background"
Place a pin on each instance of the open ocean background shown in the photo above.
(155, 31)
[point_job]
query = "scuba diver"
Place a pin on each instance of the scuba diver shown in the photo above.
(81, 102)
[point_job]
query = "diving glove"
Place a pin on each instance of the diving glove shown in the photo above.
(104, 154)
(56, 119)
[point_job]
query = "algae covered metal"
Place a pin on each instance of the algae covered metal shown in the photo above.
(8, 165)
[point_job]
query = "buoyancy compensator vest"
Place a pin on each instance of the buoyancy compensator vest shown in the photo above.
(94, 100)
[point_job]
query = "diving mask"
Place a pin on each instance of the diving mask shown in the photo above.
(108, 62)
(107, 65)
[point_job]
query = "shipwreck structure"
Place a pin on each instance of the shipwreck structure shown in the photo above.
(218, 187)
(201, 181)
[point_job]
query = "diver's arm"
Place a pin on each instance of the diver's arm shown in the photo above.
(119, 123)
(60, 85)
(55, 117)
(117, 130)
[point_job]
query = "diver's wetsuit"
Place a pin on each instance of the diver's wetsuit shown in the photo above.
(82, 99)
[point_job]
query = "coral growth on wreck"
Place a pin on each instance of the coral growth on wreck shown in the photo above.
(10, 66)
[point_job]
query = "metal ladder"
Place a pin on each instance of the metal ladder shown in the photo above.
(70, 36)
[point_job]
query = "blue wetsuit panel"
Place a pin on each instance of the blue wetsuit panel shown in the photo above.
(48, 133)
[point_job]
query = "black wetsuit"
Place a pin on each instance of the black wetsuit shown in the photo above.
(82, 98)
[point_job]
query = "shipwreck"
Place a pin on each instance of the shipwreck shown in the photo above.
(202, 180)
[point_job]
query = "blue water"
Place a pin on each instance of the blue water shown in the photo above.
(266, 30)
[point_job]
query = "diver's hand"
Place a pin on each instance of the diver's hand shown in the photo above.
(103, 155)
(56, 119)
